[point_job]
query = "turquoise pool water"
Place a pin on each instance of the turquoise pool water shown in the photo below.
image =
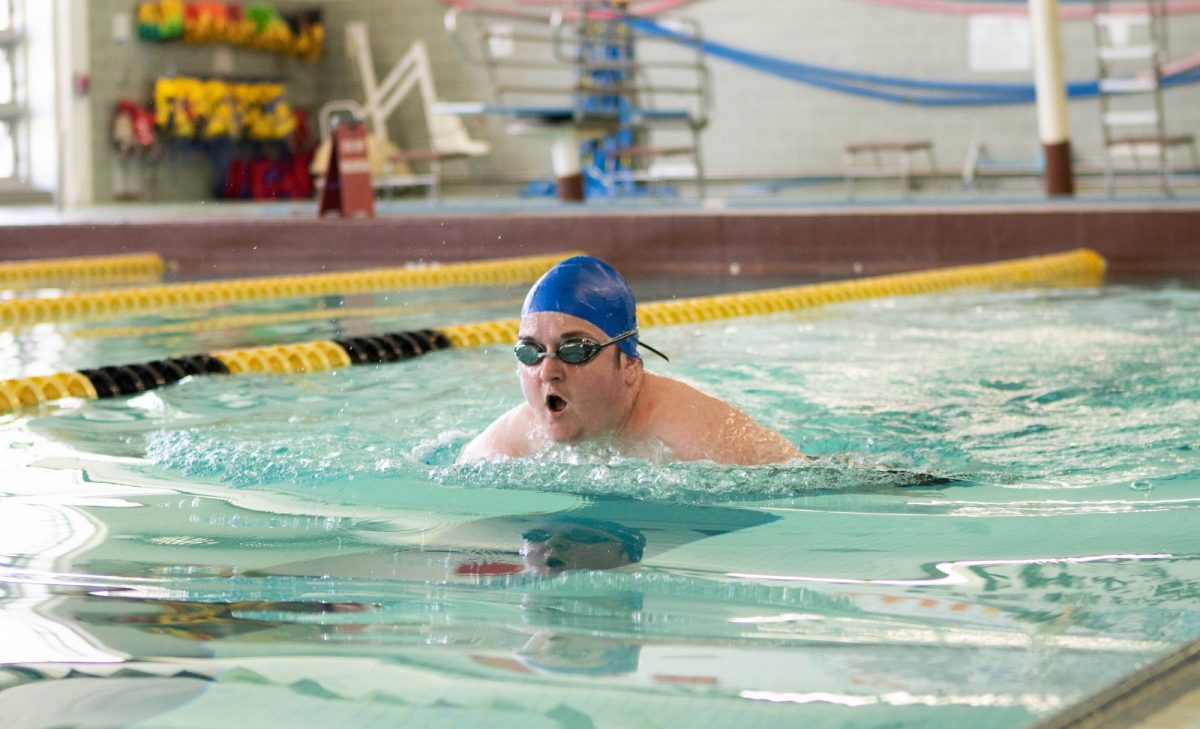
(302, 550)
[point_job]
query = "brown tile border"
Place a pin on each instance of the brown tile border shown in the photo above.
(1152, 242)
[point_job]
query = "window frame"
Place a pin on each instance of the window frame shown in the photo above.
(15, 112)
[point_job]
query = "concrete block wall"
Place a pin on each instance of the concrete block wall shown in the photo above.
(768, 125)
(762, 125)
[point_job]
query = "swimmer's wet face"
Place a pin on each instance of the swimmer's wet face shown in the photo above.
(573, 402)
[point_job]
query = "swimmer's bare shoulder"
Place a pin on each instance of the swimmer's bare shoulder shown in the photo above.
(509, 435)
(691, 424)
(696, 426)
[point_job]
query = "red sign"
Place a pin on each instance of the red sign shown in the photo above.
(347, 190)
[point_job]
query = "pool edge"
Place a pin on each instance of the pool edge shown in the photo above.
(1150, 693)
(1151, 241)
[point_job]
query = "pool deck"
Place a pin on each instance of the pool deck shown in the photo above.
(1150, 238)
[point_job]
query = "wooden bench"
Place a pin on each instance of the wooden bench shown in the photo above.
(903, 150)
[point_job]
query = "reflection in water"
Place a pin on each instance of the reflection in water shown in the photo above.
(517, 561)
(34, 540)
(574, 543)
(206, 621)
(566, 542)
(596, 635)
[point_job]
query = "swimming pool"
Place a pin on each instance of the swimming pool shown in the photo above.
(302, 550)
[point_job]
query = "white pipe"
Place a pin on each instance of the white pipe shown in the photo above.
(412, 70)
(77, 179)
(564, 152)
(358, 44)
(1049, 77)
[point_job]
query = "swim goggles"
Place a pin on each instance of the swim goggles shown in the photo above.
(572, 351)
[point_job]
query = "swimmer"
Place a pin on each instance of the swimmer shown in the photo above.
(583, 380)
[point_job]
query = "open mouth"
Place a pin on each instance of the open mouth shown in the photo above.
(555, 404)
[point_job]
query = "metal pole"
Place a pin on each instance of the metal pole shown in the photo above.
(1051, 97)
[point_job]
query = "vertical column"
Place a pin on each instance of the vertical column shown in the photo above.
(76, 181)
(1051, 97)
(564, 159)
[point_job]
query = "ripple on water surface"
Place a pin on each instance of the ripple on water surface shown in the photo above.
(289, 515)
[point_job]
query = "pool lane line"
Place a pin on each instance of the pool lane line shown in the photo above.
(1074, 268)
(115, 381)
(1080, 267)
(120, 302)
(246, 320)
(80, 271)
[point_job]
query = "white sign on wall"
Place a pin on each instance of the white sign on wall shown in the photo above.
(1000, 43)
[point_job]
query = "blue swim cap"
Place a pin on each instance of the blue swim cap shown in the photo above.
(592, 290)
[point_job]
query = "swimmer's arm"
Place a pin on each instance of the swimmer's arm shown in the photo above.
(507, 436)
(700, 427)
(742, 441)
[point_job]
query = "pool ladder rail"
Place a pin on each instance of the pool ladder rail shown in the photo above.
(1131, 53)
(1081, 267)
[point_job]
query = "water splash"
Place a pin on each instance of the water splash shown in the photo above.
(340, 453)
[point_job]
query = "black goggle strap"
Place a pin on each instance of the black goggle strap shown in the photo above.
(640, 343)
(598, 346)
(620, 337)
(652, 349)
